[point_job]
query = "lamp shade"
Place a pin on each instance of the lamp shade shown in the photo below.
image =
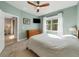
(72, 29)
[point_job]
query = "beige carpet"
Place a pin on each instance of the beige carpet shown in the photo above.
(17, 50)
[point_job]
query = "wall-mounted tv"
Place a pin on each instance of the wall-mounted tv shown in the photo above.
(36, 20)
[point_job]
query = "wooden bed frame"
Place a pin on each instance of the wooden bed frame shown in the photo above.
(33, 32)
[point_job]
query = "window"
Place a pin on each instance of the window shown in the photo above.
(52, 24)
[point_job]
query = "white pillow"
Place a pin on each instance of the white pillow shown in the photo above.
(70, 39)
(54, 36)
(69, 36)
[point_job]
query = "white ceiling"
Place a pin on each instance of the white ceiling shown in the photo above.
(54, 6)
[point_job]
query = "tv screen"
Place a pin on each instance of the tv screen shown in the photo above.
(36, 20)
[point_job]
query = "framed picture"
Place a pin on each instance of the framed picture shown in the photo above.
(26, 21)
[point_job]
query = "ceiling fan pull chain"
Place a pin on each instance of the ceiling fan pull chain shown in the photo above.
(37, 10)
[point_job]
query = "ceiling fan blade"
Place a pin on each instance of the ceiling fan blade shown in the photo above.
(31, 3)
(44, 5)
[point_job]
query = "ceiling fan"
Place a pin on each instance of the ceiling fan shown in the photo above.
(38, 5)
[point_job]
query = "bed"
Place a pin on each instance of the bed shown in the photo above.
(46, 45)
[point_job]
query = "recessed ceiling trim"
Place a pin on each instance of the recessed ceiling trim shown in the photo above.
(54, 6)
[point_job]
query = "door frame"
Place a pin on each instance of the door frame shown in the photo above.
(11, 15)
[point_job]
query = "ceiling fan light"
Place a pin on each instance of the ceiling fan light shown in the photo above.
(38, 7)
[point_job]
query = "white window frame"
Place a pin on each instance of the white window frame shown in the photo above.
(49, 18)
(60, 23)
(51, 26)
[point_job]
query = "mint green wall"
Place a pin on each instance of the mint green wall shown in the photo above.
(10, 9)
(78, 15)
(69, 18)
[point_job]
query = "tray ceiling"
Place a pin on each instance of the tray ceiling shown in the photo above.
(54, 6)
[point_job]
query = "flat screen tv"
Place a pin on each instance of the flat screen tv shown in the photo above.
(36, 20)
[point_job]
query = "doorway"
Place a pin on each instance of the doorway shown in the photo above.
(10, 30)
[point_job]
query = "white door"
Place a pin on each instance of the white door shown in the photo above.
(1, 31)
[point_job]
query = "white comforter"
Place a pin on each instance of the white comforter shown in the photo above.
(51, 45)
(55, 42)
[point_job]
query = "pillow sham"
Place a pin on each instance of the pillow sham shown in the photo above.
(54, 36)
